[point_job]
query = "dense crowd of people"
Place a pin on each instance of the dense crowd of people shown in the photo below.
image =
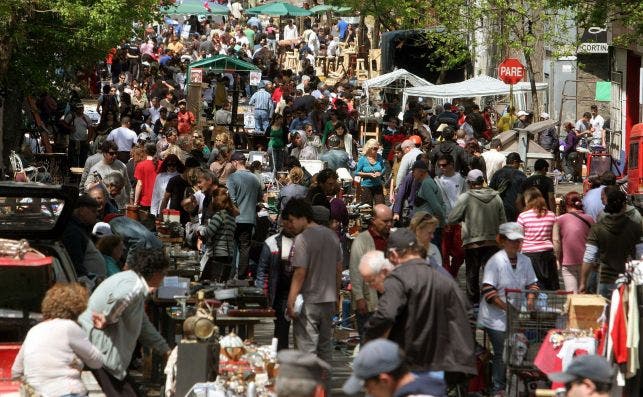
(436, 174)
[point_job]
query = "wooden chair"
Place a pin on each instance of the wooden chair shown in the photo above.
(374, 61)
(360, 70)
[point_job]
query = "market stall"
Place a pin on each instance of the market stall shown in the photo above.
(545, 338)
(479, 86)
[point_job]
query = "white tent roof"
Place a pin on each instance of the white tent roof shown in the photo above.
(475, 87)
(398, 74)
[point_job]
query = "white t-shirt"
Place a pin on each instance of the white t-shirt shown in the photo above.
(124, 138)
(499, 273)
(451, 187)
(290, 33)
(494, 160)
(597, 123)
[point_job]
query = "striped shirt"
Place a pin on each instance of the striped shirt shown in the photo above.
(218, 235)
(261, 100)
(538, 230)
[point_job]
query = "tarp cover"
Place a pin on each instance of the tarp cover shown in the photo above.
(474, 87)
(396, 75)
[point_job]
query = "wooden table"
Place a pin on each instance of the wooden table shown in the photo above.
(243, 326)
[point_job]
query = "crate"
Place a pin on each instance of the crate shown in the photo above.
(583, 310)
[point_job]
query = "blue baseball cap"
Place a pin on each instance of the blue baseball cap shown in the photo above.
(375, 357)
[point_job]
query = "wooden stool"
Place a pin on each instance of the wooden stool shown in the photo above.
(360, 70)
(292, 62)
(374, 60)
(320, 65)
(331, 64)
(369, 129)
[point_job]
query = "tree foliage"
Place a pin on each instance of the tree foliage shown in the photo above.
(626, 13)
(43, 42)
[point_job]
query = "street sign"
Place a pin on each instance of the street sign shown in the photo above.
(511, 71)
(196, 75)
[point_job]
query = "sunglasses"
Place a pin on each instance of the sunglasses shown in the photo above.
(112, 153)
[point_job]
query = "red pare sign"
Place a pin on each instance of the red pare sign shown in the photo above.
(511, 71)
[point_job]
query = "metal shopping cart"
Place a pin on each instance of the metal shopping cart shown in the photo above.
(527, 327)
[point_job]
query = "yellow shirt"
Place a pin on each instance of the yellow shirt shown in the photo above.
(506, 122)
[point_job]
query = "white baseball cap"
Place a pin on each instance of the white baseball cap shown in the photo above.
(511, 230)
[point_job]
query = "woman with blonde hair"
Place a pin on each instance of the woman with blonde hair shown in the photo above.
(294, 188)
(370, 168)
(423, 225)
(537, 222)
(55, 351)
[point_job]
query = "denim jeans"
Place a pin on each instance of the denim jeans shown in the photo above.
(498, 370)
(605, 290)
(262, 121)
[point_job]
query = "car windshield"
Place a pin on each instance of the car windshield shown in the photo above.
(29, 213)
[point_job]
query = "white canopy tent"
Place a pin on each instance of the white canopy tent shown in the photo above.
(478, 86)
(401, 75)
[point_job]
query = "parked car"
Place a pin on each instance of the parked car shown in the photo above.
(32, 258)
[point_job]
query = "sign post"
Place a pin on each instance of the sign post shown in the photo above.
(511, 71)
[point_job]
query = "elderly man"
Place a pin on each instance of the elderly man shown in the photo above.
(410, 155)
(424, 312)
(364, 296)
(76, 238)
(374, 267)
(264, 107)
(98, 172)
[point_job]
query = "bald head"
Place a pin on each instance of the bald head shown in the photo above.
(382, 219)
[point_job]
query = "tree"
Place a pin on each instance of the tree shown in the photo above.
(627, 13)
(44, 43)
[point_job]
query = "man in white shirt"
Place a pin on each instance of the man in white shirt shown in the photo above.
(597, 122)
(451, 185)
(81, 132)
(124, 138)
(155, 109)
(494, 160)
(290, 31)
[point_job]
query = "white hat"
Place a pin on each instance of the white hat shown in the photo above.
(102, 229)
(544, 115)
(522, 113)
(442, 126)
(475, 175)
(511, 230)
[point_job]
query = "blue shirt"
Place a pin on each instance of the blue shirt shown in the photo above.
(245, 191)
(342, 26)
(363, 165)
(261, 100)
(298, 124)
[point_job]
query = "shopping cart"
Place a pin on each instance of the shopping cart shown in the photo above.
(527, 327)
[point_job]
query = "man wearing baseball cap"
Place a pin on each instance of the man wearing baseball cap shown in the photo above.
(379, 368)
(480, 210)
(588, 375)
(508, 182)
(423, 311)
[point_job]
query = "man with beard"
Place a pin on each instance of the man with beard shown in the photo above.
(374, 238)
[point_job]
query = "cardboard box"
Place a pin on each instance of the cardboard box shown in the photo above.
(584, 310)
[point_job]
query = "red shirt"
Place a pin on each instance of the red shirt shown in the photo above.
(186, 120)
(380, 242)
(145, 173)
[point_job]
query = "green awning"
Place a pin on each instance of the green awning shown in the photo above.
(223, 63)
(279, 8)
(195, 7)
(327, 7)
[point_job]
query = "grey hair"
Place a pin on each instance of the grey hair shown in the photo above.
(289, 387)
(376, 261)
(114, 178)
(408, 143)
